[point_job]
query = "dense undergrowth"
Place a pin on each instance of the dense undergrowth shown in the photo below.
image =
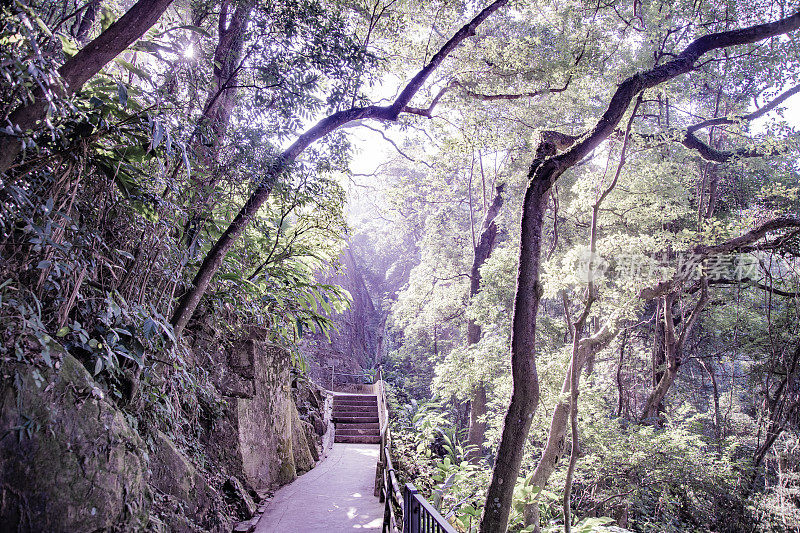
(670, 479)
(93, 250)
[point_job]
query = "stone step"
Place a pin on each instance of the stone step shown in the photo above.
(344, 417)
(354, 404)
(355, 397)
(355, 408)
(355, 419)
(358, 411)
(368, 425)
(353, 431)
(371, 400)
(363, 439)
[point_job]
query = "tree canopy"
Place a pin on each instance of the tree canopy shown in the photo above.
(581, 230)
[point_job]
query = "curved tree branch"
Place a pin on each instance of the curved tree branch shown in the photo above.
(545, 170)
(283, 163)
(761, 111)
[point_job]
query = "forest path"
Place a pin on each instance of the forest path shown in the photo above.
(336, 495)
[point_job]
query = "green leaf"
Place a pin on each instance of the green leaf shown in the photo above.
(68, 46)
(168, 144)
(158, 133)
(39, 22)
(124, 254)
(62, 331)
(107, 18)
(186, 161)
(133, 68)
(122, 94)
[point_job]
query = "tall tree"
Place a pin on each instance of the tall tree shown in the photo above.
(669, 291)
(547, 167)
(482, 250)
(220, 101)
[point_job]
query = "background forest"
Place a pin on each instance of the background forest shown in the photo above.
(575, 223)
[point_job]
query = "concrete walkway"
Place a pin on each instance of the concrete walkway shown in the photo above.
(335, 496)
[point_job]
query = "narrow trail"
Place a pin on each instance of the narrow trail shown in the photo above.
(335, 496)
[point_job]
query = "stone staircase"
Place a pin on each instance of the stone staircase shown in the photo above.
(355, 417)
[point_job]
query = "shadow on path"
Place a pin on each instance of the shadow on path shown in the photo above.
(335, 496)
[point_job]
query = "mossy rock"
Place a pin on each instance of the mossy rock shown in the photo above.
(173, 474)
(81, 467)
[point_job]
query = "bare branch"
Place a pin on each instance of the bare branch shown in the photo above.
(750, 237)
(737, 244)
(397, 148)
(517, 96)
(752, 283)
(763, 110)
(428, 112)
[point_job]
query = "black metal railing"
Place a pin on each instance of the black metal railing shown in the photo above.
(389, 492)
(417, 515)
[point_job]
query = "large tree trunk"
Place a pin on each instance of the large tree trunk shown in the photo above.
(483, 249)
(781, 404)
(673, 350)
(525, 381)
(618, 377)
(86, 63)
(477, 423)
(717, 413)
(217, 112)
(227, 63)
(665, 362)
(659, 358)
(525, 394)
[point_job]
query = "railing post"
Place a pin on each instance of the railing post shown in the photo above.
(410, 510)
(387, 516)
(380, 473)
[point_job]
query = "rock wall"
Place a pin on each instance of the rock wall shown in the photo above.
(71, 461)
(274, 443)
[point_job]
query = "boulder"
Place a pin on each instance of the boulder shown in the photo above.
(273, 441)
(311, 439)
(301, 446)
(319, 425)
(173, 474)
(69, 461)
(239, 494)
